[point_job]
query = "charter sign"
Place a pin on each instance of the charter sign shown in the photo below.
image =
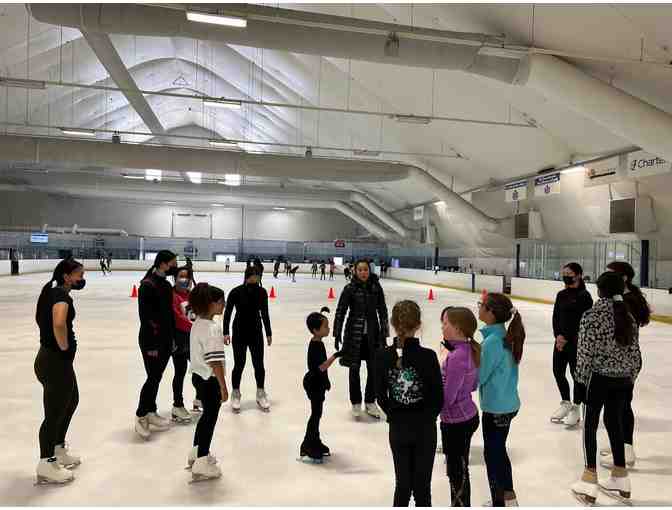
(642, 163)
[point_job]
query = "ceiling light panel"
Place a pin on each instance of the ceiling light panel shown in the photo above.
(214, 19)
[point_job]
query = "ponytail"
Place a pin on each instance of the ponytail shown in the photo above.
(636, 302)
(163, 257)
(475, 352)
(504, 311)
(65, 266)
(610, 285)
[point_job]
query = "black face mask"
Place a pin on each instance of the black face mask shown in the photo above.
(569, 280)
(172, 271)
(78, 285)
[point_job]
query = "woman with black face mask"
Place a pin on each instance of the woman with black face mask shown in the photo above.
(54, 369)
(156, 338)
(570, 304)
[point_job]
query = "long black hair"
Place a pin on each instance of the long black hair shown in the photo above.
(611, 285)
(250, 271)
(202, 296)
(65, 266)
(576, 268)
(635, 299)
(163, 257)
(190, 273)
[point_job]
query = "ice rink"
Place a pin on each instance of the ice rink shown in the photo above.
(257, 452)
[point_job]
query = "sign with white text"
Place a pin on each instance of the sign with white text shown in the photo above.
(545, 185)
(516, 191)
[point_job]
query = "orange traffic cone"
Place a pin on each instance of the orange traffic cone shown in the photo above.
(134, 292)
(272, 295)
(431, 295)
(331, 293)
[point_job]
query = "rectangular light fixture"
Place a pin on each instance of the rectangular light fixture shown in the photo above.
(231, 180)
(574, 170)
(215, 19)
(224, 144)
(153, 175)
(78, 132)
(279, 208)
(135, 177)
(230, 104)
(169, 203)
(195, 177)
(23, 84)
(217, 205)
(412, 119)
(365, 152)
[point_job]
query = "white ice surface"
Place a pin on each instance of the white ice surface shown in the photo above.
(257, 451)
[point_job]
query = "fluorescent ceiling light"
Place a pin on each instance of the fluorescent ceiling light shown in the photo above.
(130, 176)
(153, 175)
(78, 132)
(169, 203)
(217, 205)
(22, 84)
(223, 144)
(574, 170)
(230, 104)
(365, 152)
(231, 180)
(195, 177)
(214, 19)
(412, 119)
(279, 208)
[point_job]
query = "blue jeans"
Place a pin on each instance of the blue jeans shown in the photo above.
(495, 432)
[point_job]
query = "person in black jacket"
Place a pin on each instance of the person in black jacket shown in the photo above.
(570, 304)
(259, 267)
(156, 338)
(251, 303)
(366, 331)
(316, 383)
(276, 268)
(409, 388)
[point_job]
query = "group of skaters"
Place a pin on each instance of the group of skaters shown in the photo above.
(323, 269)
(105, 262)
(411, 384)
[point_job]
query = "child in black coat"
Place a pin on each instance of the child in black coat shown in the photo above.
(316, 383)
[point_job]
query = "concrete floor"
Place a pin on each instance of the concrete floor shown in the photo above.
(257, 451)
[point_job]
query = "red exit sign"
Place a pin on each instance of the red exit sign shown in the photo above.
(339, 243)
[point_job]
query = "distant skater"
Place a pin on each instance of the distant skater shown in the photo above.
(314, 269)
(227, 265)
(292, 272)
(332, 268)
(103, 265)
(276, 268)
(323, 269)
(288, 267)
(108, 261)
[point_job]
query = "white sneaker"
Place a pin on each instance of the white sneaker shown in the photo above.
(617, 486)
(573, 417)
(585, 492)
(181, 415)
(65, 458)
(561, 412)
(157, 421)
(235, 401)
(142, 427)
(357, 410)
(372, 410)
(262, 400)
(607, 459)
(49, 471)
(205, 468)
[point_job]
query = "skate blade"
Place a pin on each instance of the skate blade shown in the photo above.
(558, 421)
(623, 497)
(264, 409)
(201, 478)
(182, 421)
(71, 466)
(235, 411)
(583, 499)
(308, 460)
(374, 416)
(41, 480)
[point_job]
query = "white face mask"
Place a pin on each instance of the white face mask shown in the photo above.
(183, 283)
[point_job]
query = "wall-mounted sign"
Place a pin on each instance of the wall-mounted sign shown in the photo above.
(642, 164)
(419, 212)
(545, 185)
(606, 171)
(339, 243)
(516, 191)
(39, 237)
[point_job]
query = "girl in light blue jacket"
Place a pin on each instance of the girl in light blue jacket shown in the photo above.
(501, 352)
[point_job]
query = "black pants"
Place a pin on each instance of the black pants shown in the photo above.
(180, 357)
(612, 393)
(356, 385)
(323, 276)
(61, 397)
(500, 476)
(154, 367)
(413, 450)
(628, 420)
(255, 342)
(456, 440)
(314, 274)
(312, 437)
(211, 398)
(331, 275)
(561, 359)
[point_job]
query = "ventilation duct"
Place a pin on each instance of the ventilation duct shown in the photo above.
(75, 229)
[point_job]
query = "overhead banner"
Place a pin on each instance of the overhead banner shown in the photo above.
(545, 185)
(606, 171)
(419, 212)
(516, 191)
(644, 164)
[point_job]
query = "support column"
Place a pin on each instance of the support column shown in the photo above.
(644, 264)
(517, 260)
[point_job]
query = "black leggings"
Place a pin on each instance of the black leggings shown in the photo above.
(612, 393)
(456, 439)
(628, 420)
(211, 398)
(256, 346)
(312, 437)
(413, 450)
(61, 397)
(497, 463)
(180, 358)
(356, 385)
(154, 367)
(561, 359)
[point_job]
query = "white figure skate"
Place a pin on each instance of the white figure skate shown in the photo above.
(585, 492)
(158, 422)
(50, 472)
(372, 410)
(559, 415)
(262, 401)
(617, 488)
(181, 415)
(142, 427)
(573, 417)
(205, 468)
(235, 401)
(65, 458)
